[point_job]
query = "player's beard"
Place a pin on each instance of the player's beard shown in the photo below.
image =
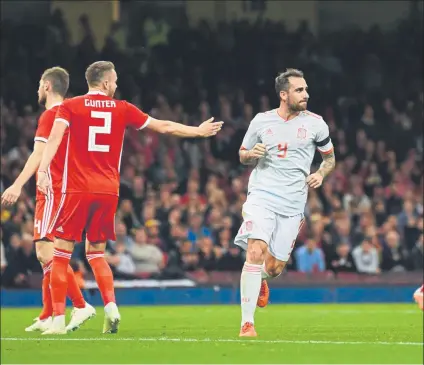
(42, 100)
(296, 107)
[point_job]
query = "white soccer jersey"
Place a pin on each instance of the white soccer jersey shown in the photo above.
(278, 182)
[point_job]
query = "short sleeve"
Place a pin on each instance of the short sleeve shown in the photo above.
(322, 139)
(135, 117)
(251, 136)
(63, 114)
(45, 124)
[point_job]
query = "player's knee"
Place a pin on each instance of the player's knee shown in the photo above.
(275, 268)
(256, 252)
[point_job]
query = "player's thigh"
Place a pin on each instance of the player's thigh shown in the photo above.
(95, 247)
(284, 237)
(44, 211)
(101, 220)
(71, 218)
(258, 224)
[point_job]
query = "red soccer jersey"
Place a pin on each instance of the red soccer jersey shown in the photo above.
(97, 125)
(55, 170)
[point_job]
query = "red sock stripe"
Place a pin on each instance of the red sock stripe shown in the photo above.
(62, 253)
(47, 267)
(252, 268)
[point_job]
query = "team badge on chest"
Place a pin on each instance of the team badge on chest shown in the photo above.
(301, 133)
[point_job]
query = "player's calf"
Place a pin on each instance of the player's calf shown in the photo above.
(104, 278)
(272, 268)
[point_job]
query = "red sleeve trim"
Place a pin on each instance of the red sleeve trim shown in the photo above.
(326, 152)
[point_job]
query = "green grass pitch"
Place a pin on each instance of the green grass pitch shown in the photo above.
(312, 334)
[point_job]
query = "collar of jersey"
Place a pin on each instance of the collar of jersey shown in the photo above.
(96, 93)
(57, 104)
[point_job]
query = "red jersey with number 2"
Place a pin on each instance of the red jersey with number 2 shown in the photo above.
(96, 126)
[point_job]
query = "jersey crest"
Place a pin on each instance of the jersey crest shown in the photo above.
(301, 133)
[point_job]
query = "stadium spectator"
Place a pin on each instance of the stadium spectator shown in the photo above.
(147, 256)
(343, 260)
(310, 258)
(394, 257)
(366, 258)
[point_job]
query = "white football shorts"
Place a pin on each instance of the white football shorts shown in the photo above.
(277, 231)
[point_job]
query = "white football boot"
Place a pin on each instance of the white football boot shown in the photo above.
(80, 316)
(40, 325)
(58, 326)
(112, 318)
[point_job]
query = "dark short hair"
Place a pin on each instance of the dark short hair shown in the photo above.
(95, 72)
(282, 82)
(58, 78)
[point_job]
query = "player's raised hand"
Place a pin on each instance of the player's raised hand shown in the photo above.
(210, 128)
(314, 180)
(43, 182)
(257, 151)
(11, 195)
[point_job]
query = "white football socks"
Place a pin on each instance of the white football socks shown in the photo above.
(250, 286)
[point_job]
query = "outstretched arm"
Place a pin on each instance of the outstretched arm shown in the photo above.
(206, 129)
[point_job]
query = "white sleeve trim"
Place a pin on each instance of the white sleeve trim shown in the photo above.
(146, 123)
(62, 120)
(40, 139)
(327, 148)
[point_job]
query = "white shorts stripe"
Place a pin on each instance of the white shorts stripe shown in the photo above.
(56, 216)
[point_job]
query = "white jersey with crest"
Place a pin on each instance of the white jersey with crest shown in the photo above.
(278, 181)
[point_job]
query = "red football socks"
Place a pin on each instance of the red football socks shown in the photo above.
(74, 291)
(59, 280)
(103, 275)
(47, 310)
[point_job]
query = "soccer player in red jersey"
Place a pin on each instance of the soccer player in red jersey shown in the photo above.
(52, 88)
(96, 123)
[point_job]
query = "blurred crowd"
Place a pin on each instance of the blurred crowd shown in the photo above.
(181, 200)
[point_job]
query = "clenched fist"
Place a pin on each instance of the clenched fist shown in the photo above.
(257, 151)
(314, 180)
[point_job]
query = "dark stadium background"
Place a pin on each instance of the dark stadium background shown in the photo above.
(181, 200)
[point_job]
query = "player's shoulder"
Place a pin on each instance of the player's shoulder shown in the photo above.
(48, 114)
(312, 118)
(73, 100)
(263, 116)
(309, 114)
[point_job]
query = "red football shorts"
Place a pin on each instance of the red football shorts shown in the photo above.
(45, 210)
(94, 213)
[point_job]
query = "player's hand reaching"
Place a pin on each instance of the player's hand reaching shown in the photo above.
(11, 195)
(43, 182)
(257, 151)
(314, 180)
(210, 128)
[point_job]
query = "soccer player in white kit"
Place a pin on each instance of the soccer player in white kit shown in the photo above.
(282, 144)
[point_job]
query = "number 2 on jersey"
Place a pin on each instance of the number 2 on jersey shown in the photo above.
(282, 148)
(94, 130)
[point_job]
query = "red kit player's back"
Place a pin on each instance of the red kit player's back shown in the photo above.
(97, 125)
(44, 127)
